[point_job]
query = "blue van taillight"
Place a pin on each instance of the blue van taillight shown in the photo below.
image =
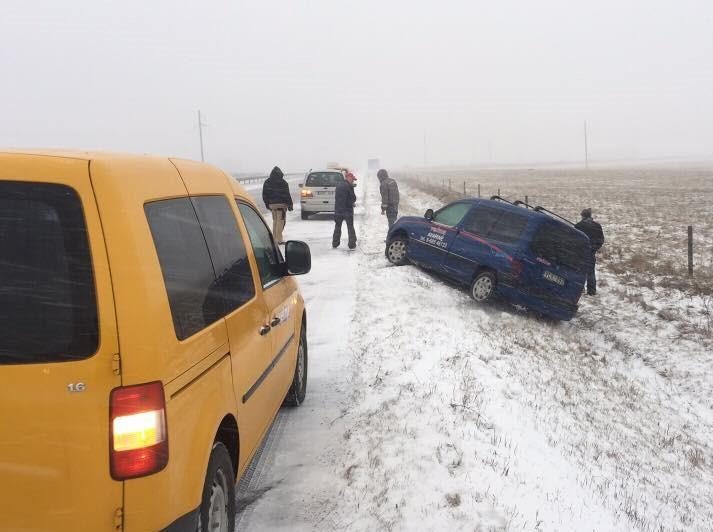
(516, 268)
(138, 436)
(515, 273)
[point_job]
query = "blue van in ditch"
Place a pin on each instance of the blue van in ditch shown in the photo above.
(528, 256)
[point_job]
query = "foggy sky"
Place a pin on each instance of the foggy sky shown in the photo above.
(302, 82)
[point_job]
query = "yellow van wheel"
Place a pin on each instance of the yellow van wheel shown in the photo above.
(217, 511)
(298, 390)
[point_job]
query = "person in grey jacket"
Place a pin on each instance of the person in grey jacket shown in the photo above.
(389, 196)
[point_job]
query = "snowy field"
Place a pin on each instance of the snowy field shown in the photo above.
(426, 411)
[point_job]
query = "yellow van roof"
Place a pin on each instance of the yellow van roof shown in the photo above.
(95, 155)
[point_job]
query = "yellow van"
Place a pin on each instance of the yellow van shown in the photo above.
(149, 332)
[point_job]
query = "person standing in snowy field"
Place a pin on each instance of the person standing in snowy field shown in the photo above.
(596, 239)
(389, 196)
(277, 198)
(344, 200)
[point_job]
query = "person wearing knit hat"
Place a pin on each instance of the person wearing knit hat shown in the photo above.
(596, 240)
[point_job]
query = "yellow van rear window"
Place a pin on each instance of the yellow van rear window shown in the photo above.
(48, 307)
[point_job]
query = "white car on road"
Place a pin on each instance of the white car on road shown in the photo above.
(317, 191)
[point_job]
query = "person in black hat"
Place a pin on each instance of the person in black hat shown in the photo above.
(277, 198)
(596, 239)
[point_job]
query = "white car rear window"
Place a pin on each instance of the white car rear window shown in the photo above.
(324, 179)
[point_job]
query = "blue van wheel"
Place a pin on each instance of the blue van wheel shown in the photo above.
(396, 251)
(483, 287)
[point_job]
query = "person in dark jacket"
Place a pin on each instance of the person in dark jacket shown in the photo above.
(596, 239)
(344, 200)
(277, 198)
(389, 196)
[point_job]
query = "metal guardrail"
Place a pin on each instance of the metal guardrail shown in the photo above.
(251, 179)
(260, 178)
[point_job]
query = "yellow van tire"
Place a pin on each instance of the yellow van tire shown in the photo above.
(217, 510)
(296, 395)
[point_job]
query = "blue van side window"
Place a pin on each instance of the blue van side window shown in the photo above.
(497, 224)
(452, 214)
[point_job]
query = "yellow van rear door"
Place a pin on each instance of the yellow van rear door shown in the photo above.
(58, 339)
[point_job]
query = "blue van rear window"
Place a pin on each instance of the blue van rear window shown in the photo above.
(48, 310)
(563, 246)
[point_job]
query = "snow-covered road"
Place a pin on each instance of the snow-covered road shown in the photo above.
(426, 411)
(292, 480)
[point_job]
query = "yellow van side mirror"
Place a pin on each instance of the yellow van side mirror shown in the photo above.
(298, 258)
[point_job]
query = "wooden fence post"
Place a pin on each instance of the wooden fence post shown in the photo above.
(478, 189)
(449, 184)
(690, 250)
(464, 188)
(527, 201)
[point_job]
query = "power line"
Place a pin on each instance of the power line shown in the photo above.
(425, 159)
(200, 133)
(586, 148)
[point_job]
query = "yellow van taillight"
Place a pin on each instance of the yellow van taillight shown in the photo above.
(138, 435)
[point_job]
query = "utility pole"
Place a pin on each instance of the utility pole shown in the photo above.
(586, 149)
(425, 159)
(200, 133)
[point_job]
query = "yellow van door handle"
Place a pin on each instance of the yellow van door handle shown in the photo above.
(264, 330)
(275, 322)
